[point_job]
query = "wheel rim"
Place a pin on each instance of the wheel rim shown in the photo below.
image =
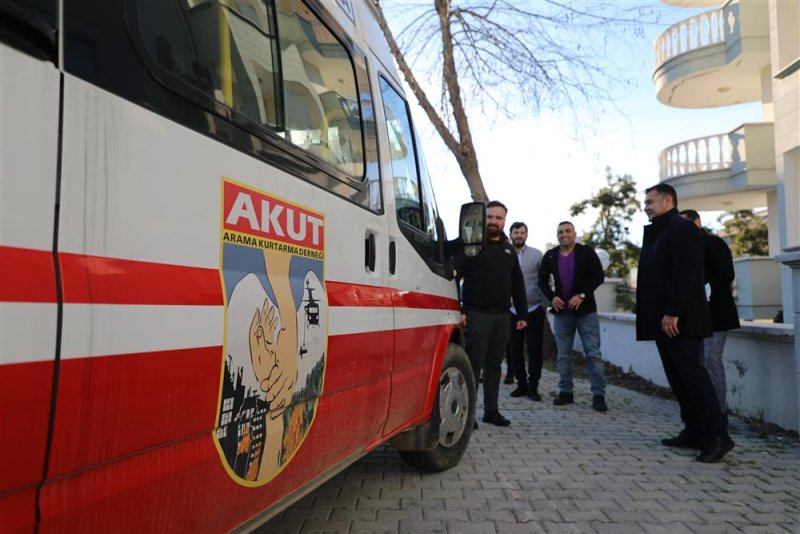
(453, 406)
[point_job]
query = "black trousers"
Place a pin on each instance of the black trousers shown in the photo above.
(682, 358)
(534, 332)
(486, 337)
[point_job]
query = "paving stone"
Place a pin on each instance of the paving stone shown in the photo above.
(361, 514)
(422, 527)
(375, 504)
(771, 529)
(506, 516)
(376, 527)
(401, 493)
(430, 504)
(397, 515)
(319, 514)
(578, 516)
(566, 471)
(537, 516)
(481, 527)
(313, 526)
(461, 515)
(478, 494)
(552, 527)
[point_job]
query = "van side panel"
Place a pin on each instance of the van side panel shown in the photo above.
(29, 106)
(144, 327)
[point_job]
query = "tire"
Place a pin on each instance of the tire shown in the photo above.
(453, 414)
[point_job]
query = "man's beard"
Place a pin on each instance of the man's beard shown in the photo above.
(519, 243)
(493, 231)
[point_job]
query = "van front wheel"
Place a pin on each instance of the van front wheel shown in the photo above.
(453, 414)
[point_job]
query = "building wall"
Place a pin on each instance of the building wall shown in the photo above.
(784, 22)
(784, 36)
(759, 365)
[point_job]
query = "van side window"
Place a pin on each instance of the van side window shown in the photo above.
(412, 188)
(272, 61)
(319, 84)
(227, 49)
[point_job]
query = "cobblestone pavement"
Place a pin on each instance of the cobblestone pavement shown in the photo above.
(567, 469)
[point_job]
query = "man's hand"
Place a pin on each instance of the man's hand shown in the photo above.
(521, 325)
(273, 361)
(575, 302)
(463, 319)
(669, 325)
(558, 304)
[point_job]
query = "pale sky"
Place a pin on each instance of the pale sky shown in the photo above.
(538, 169)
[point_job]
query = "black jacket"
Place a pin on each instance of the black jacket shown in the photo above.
(491, 279)
(719, 275)
(587, 277)
(670, 280)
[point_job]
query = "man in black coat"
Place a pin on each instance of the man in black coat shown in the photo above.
(671, 308)
(719, 275)
(492, 279)
(576, 273)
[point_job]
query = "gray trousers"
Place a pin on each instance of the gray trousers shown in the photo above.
(712, 351)
(486, 337)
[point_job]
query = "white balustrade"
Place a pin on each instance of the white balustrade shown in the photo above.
(710, 153)
(696, 32)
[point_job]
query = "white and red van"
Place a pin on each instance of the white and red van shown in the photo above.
(222, 272)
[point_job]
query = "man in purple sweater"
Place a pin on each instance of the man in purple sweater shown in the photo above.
(576, 273)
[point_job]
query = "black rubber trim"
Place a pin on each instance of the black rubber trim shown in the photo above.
(59, 305)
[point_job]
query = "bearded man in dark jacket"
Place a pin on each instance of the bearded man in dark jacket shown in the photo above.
(672, 310)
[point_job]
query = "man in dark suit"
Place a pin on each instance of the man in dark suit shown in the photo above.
(671, 308)
(577, 273)
(719, 274)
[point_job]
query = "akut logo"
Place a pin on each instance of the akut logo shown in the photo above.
(255, 214)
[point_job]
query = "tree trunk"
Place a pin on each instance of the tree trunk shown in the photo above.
(462, 148)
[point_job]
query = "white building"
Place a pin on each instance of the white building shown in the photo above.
(719, 55)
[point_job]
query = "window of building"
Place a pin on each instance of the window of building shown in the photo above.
(272, 62)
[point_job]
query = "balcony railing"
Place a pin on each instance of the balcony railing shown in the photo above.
(725, 151)
(710, 153)
(705, 29)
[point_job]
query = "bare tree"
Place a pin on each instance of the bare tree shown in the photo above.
(507, 58)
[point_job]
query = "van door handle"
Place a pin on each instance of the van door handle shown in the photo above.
(369, 252)
(392, 257)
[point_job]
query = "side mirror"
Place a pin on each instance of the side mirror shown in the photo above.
(472, 227)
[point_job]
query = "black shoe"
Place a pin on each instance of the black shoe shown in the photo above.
(564, 398)
(715, 450)
(509, 379)
(521, 391)
(684, 440)
(534, 396)
(474, 424)
(495, 418)
(599, 403)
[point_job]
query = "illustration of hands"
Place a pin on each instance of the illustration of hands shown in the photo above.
(273, 358)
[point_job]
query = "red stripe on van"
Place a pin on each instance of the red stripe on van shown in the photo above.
(100, 280)
(410, 299)
(344, 294)
(26, 275)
